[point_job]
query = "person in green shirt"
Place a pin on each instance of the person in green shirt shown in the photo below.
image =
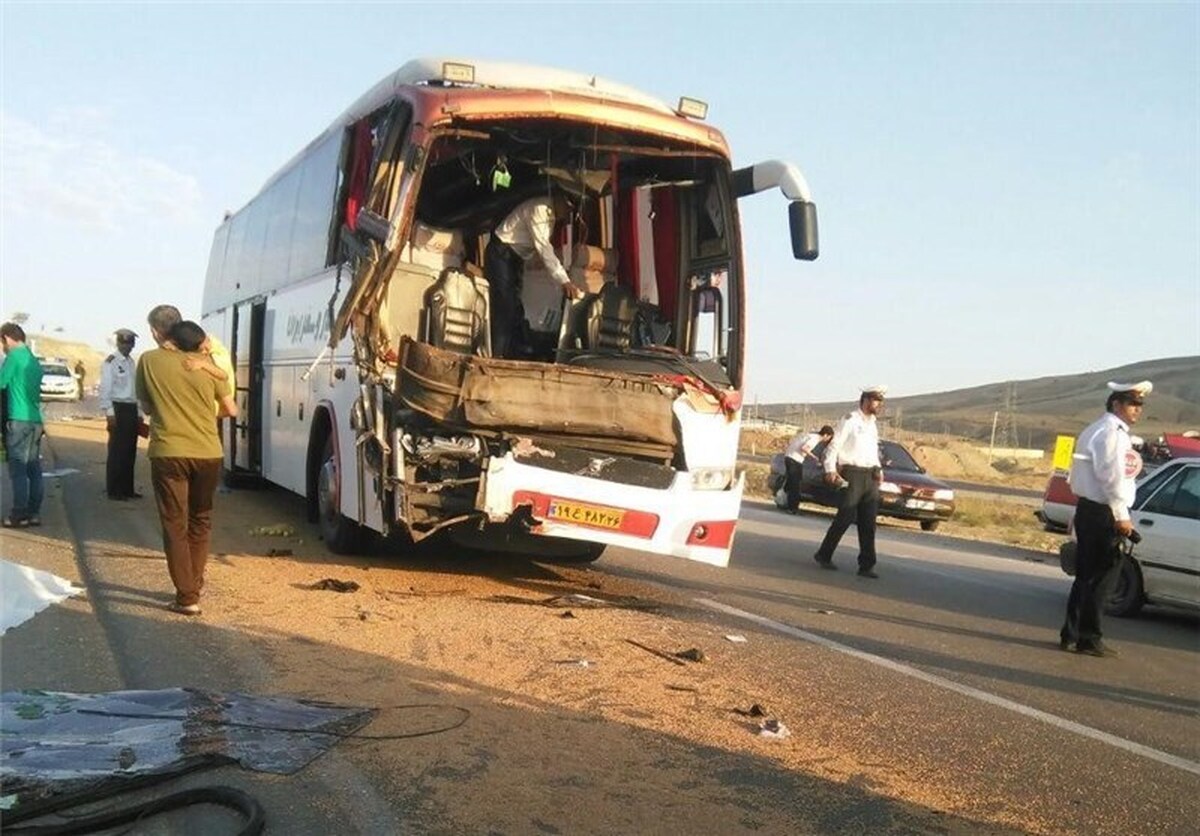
(21, 379)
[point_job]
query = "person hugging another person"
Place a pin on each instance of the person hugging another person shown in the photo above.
(185, 450)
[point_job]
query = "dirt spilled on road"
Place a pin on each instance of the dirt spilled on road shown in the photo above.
(581, 717)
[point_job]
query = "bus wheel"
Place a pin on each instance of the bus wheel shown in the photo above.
(341, 534)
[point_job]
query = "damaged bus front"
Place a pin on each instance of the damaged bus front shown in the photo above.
(615, 423)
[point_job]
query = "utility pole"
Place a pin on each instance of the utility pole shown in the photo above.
(992, 443)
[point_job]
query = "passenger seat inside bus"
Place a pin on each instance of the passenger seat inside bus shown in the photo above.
(456, 314)
(430, 298)
(602, 321)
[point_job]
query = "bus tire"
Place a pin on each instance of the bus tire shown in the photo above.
(341, 534)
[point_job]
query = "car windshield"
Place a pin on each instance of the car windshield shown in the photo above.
(895, 457)
(55, 369)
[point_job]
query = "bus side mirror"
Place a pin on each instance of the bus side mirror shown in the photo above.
(802, 218)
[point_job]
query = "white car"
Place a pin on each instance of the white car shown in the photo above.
(58, 382)
(1164, 568)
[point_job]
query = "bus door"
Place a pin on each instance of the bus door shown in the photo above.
(245, 431)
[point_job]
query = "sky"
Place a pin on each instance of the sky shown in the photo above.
(1005, 191)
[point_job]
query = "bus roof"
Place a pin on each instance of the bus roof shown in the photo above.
(497, 75)
(432, 74)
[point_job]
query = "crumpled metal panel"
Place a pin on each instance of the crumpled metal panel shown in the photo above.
(545, 398)
(58, 743)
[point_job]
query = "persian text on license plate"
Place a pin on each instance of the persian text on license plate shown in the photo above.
(920, 504)
(593, 515)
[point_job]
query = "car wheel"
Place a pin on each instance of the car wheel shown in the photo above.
(930, 525)
(1126, 596)
(341, 534)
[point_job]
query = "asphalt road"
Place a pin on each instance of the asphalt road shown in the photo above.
(945, 669)
(961, 637)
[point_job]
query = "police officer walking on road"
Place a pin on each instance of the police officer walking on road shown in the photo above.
(119, 402)
(1104, 470)
(852, 462)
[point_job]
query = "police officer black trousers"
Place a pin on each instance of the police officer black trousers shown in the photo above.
(504, 270)
(859, 505)
(1097, 565)
(122, 451)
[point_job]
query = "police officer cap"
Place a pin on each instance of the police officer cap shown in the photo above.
(124, 334)
(1137, 390)
(874, 391)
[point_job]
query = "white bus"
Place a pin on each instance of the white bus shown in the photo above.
(351, 294)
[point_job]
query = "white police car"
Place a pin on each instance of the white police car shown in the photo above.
(58, 382)
(1164, 567)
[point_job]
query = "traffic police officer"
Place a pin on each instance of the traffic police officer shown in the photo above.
(119, 402)
(852, 462)
(1104, 471)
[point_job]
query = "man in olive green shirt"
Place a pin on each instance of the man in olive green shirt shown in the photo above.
(21, 379)
(185, 450)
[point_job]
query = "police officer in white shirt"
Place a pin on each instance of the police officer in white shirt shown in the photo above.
(798, 449)
(1103, 476)
(852, 461)
(523, 234)
(119, 402)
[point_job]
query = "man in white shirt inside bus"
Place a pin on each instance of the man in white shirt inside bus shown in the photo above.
(799, 449)
(524, 233)
(852, 461)
(1104, 471)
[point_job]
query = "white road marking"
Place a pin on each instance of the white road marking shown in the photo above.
(965, 690)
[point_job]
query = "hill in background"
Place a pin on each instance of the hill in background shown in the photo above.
(1041, 408)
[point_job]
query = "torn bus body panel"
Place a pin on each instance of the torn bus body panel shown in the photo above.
(544, 399)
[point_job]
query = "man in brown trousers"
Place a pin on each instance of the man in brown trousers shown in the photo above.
(185, 450)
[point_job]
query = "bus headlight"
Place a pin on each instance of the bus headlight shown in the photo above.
(711, 478)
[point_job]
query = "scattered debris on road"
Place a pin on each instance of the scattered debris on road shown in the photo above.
(754, 710)
(736, 639)
(658, 653)
(334, 585)
(692, 654)
(774, 730)
(278, 530)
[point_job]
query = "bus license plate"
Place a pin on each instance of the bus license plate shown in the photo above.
(580, 514)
